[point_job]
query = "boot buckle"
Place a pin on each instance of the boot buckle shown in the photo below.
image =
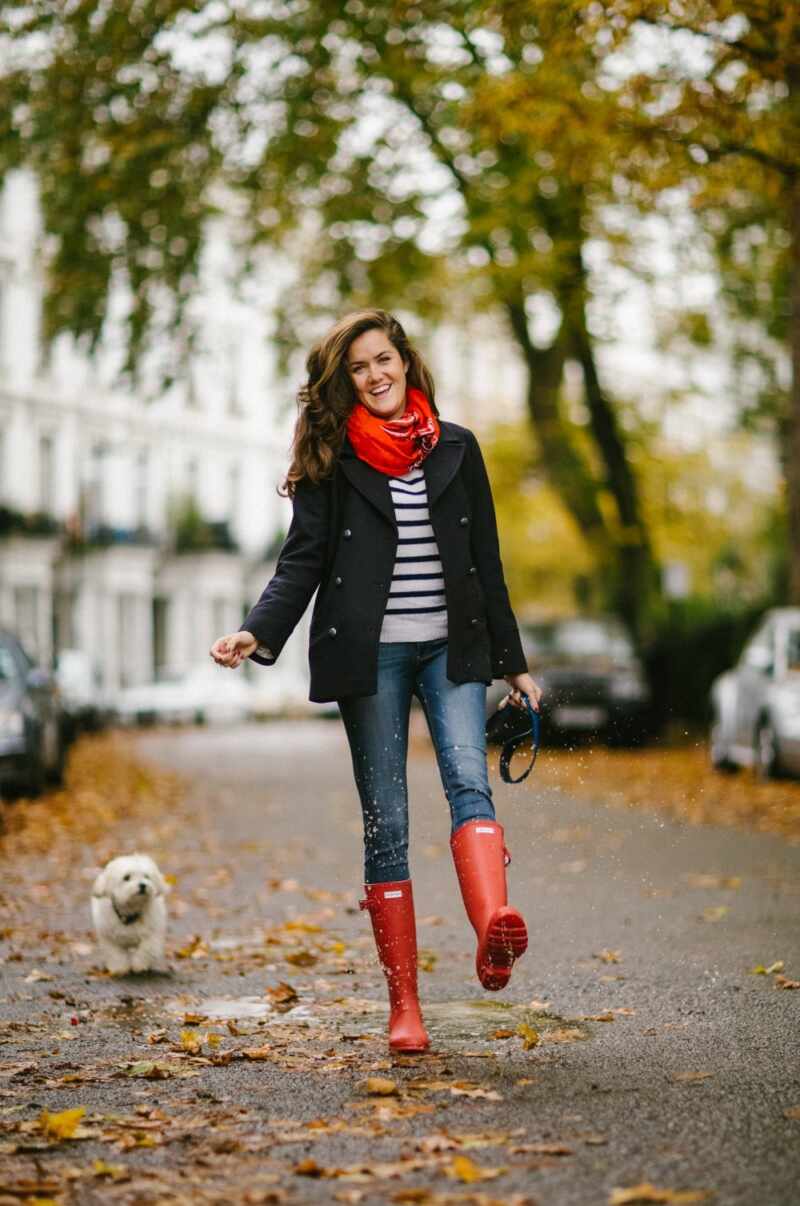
(506, 856)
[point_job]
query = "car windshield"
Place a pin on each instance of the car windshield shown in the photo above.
(579, 639)
(8, 667)
(793, 649)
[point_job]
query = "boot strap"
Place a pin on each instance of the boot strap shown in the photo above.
(369, 905)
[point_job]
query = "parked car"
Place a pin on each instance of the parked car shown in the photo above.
(755, 707)
(592, 679)
(206, 694)
(32, 746)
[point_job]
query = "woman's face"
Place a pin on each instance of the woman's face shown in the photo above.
(378, 374)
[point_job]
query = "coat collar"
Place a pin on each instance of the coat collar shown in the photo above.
(440, 467)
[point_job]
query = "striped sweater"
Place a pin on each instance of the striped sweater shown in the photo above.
(416, 609)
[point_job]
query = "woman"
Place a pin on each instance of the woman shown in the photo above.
(393, 526)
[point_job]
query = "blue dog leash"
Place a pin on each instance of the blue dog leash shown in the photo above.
(510, 748)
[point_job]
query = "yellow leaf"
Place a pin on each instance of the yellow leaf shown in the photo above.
(529, 1036)
(63, 1125)
(380, 1086)
(466, 1170)
(645, 1192)
(191, 1042)
(116, 1172)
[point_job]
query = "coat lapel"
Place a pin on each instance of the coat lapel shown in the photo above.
(443, 463)
(368, 481)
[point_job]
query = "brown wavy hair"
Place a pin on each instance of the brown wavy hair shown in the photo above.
(328, 396)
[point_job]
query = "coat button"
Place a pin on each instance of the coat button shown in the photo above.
(331, 632)
(473, 623)
(347, 533)
(337, 581)
(463, 521)
(472, 570)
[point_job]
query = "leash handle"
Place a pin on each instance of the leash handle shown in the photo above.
(510, 747)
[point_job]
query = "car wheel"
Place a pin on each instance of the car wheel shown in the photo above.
(35, 779)
(718, 753)
(766, 759)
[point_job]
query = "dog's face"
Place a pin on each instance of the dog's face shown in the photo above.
(130, 883)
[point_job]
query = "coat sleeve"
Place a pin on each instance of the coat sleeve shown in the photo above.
(301, 564)
(506, 646)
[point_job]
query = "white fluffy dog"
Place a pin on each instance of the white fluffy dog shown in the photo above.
(130, 915)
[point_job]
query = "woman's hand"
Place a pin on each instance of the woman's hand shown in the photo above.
(232, 650)
(522, 684)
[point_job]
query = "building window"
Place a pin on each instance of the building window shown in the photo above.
(47, 477)
(234, 490)
(141, 483)
(94, 490)
(192, 478)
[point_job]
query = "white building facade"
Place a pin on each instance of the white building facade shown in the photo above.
(136, 530)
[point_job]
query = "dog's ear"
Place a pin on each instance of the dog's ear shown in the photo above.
(100, 885)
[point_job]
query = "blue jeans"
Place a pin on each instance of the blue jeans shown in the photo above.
(377, 729)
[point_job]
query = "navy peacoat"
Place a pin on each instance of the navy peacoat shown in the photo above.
(342, 544)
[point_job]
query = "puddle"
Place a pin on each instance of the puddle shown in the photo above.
(239, 1009)
(474, 1020)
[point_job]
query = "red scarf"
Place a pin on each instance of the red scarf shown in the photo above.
(394, 446)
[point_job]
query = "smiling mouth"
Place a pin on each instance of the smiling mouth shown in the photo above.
(380, 391)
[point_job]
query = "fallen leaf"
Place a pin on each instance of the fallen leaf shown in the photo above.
(563, 1034)
(542, 1149)
(608, 1016)
(650, 1193)
(63, 1125)
(690, 1078)
(257, 1053)
(463, 1089)
(503, 1034)
(792, 1112)
(530, 1037)
(715, 912)
(191, 1042)
(282, 994)
(732, 882)
(379, 1086)
(785, 982)
(426, 960)
(309, 1168)
(607, 956)
(36, 975)
(115, 1172)
(302, 958)
(466, 1170)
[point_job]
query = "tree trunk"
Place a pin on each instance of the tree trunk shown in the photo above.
(791, 455)
(636, 574)
(562, 463)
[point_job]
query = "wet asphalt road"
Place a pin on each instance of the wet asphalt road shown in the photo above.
(649, 923)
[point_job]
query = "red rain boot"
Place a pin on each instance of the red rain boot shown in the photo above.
(391, 908)
(480, 857)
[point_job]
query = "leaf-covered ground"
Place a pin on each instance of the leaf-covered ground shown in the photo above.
(677, 781)
(257, 1070)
